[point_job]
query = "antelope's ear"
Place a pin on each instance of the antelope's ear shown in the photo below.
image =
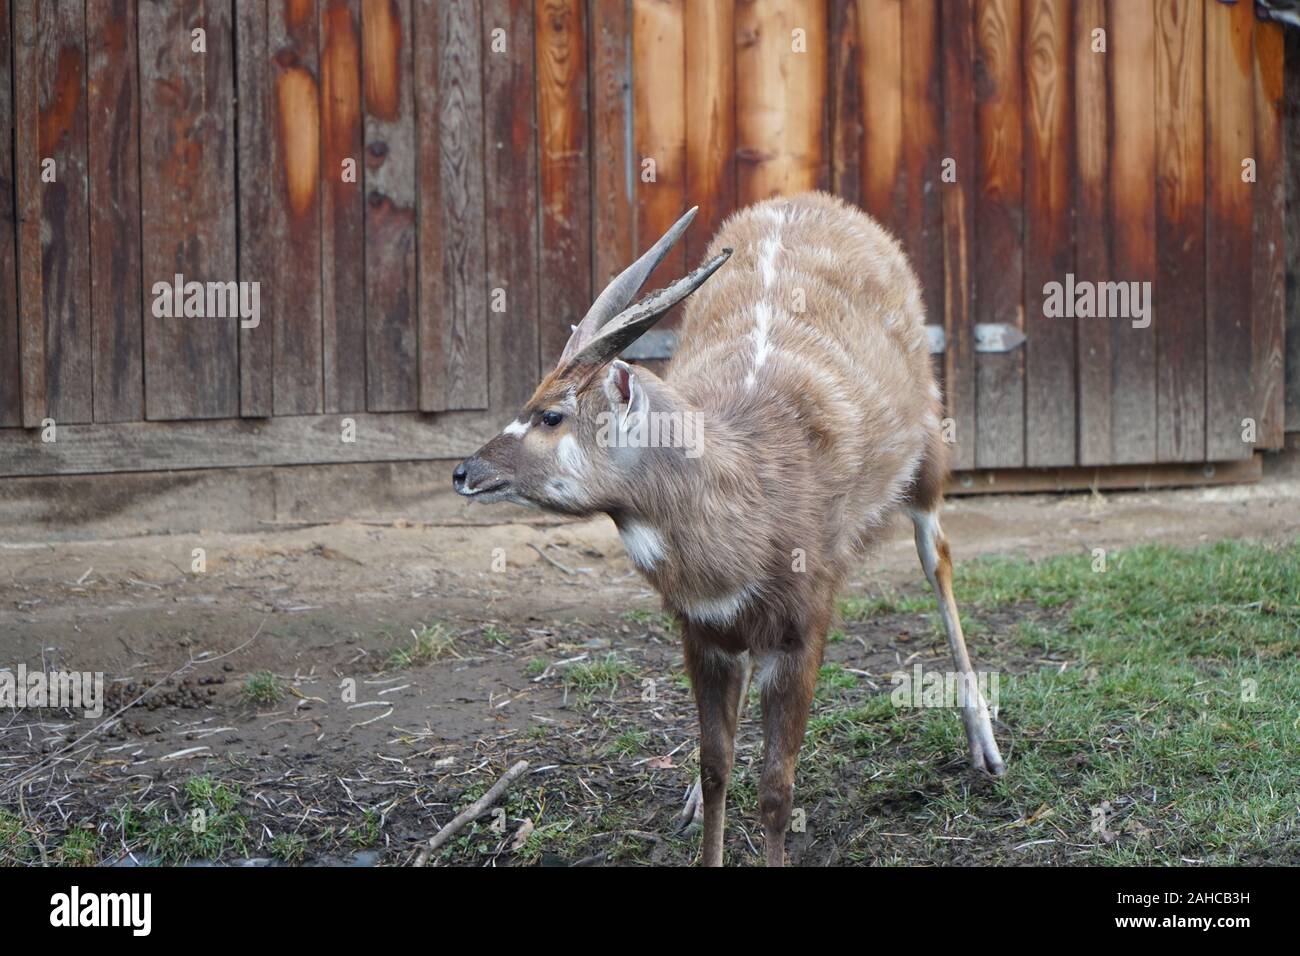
(623, 388)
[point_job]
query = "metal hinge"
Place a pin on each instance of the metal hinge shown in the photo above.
(989, 337)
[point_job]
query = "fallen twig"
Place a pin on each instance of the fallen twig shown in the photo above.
(472, 812)
(550, 560)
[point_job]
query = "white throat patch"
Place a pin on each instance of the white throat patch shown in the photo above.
(719, 611)
(644, 545)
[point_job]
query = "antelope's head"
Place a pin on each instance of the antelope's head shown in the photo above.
(576, 444)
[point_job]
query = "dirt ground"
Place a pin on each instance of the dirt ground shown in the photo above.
(512, 607)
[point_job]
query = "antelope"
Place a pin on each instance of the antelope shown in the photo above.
(806, 365)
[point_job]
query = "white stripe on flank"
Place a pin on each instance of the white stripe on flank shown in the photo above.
(518, 429)
(762, 347)
(768, 250)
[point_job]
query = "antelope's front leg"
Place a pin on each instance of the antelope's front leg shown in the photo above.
(718, 679)
(787, 678)
(692, 814)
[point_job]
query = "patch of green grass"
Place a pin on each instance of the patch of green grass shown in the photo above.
(80, 847)
(288, 847)
(629, 743)
(832, 681)
(644, 618)
(209, 827)
(536, 667)
(888, 601)
(496, 636)
(366, 831)
(263, 688)
(428, 644)
(600, 676)
(17, 845)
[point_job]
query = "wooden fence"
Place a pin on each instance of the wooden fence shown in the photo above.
(429, 191)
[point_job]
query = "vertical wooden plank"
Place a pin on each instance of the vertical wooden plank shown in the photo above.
(921, 216)
(293, 227)
(958, 197)
(612, 165)
(780, 99)
(880, 37)
(710, 32)
(1131, 40)
(1291, 149)
(342, 227)
(1268, 280)
(187, 203)
(509, 103)
(27, 194)
(460, 155)
(1180, 231)
(1230, 135)
(11, 393)
(65, 211)
(1049, 255)
(999, 217)
(116, 297)
(433, 323)
(279, 213)
(563, 153)
(255, 162)
(659, 127)
(846, 101)
(1092, 213)
(392, 357)
(809, 115)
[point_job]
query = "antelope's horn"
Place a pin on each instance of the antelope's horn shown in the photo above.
(623, 289)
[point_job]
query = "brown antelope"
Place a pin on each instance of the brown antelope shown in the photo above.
(798, 416)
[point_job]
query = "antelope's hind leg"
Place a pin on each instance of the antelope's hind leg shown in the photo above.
(932, 547)
(719, 680)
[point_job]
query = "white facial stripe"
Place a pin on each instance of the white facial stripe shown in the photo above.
(516, 428)
(571, 457)
(643, 543)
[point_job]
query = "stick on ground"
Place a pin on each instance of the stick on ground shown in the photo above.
(472, 812)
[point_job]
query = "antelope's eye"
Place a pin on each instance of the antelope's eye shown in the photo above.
(551, 419)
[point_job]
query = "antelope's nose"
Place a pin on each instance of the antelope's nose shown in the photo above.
(458, 477)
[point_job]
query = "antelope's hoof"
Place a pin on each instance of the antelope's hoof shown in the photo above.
(987, 761)
(692, 814)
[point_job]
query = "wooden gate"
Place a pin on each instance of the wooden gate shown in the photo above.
(428, 192)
